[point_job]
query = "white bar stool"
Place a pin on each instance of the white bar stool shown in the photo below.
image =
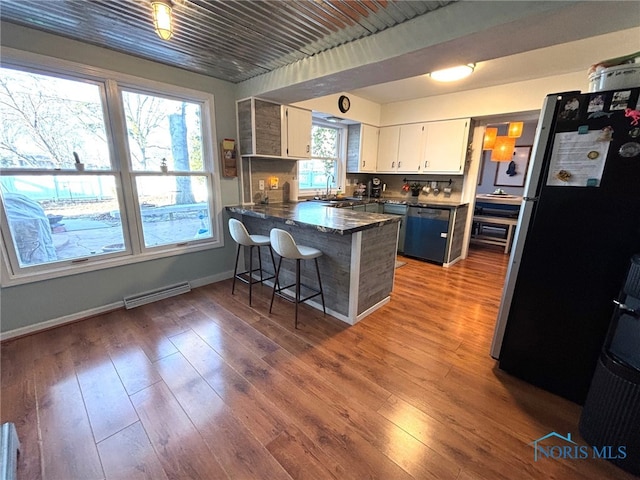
(240, 235)
(285, 246)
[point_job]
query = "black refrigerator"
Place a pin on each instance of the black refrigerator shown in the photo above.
(578, 226)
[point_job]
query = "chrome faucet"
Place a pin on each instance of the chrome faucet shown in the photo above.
(333, 179)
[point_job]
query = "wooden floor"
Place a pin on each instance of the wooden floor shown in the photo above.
(201, 386)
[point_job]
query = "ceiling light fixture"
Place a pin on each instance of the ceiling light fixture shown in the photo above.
(515, 129)
(452, 74)
(503, 149)
(162, 21)
(490, 135)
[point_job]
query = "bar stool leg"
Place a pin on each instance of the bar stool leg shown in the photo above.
(250, 272)
(275, 284)
(235, 271)
(297, 290)
(324, 310)
(260, 263)
(273, 260)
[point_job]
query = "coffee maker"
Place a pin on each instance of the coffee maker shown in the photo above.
(375, 187)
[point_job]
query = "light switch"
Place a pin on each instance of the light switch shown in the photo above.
(261, 185)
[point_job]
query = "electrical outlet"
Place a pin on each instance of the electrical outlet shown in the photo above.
(261, 185)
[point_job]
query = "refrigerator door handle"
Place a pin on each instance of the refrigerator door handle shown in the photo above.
(530, 199)
(627, 310)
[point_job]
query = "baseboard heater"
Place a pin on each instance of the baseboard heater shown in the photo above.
(9, 448)
(155, 295)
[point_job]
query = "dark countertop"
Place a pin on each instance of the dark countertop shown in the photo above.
(351, 201)
(316, 215)
(427, 204)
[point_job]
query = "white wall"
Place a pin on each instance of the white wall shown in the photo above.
(508, 99)
(502, 99)
(362, 110)
(27, 307)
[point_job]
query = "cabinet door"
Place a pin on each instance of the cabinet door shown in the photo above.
(362, 148)
(373, 207)
(368, 148)
(410, 148)
(297, 133)
(388, 149)
(445, 148)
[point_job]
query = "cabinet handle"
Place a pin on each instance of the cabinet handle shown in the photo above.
(364, 162)
(399, 164)
(426, 163)
(307, 148)
(393, 164)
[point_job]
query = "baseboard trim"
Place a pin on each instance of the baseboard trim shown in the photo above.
(92, 312)
(56, 322)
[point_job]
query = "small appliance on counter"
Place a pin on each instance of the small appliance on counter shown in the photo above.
(375, 188)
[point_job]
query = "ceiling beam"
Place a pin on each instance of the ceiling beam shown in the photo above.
(462, 32)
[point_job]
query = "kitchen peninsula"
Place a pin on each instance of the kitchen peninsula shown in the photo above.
(359, 252)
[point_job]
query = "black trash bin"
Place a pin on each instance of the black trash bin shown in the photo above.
(611, 413)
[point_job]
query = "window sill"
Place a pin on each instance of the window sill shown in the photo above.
(10, 280)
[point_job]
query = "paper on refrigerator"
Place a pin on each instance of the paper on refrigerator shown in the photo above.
(578, 159)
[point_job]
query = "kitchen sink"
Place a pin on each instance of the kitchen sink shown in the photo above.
(335, 201)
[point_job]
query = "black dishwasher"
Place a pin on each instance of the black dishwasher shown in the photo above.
(426, 234)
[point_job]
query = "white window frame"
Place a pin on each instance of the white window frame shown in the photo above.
(12, 274)
(342, 157)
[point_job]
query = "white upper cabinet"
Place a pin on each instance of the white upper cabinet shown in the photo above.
(268, 129)
(400, 148)
(445, 147)
(388, 150)
(296, 132)
(410, 147)
(362, 148)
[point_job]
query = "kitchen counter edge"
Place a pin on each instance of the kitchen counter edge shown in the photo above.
(316, 216)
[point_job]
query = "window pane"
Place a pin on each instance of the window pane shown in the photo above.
(324, 142)
(61, 217)
(313, 174)
(173, 209)
(158, 128)
(45, 119)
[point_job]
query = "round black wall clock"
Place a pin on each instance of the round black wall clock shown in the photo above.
(344, 104)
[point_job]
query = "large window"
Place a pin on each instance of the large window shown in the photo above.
(165, 134)
(325, 166)
(97, 169)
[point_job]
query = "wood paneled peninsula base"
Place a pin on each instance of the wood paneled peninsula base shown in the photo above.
(359, 252)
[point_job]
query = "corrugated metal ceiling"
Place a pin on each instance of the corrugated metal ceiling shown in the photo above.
(232, 40)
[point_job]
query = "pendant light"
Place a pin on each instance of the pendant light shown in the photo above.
(515, 129)
(503, 149)
(490, 135)
(162, 20)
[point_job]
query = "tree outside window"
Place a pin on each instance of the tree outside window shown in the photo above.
(55, 212)
(324, 165)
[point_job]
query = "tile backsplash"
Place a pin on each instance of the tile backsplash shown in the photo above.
(263, 169)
